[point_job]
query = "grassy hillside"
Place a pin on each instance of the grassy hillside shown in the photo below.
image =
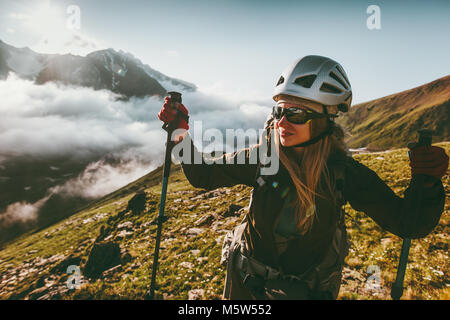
(393, 121)
(34, 266)
(28, 179)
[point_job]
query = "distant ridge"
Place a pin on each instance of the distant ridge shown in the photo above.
(117, 71)
(393, 120)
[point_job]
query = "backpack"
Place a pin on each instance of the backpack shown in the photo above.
(327, 274)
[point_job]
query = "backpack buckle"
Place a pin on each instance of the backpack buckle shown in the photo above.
(271, 273)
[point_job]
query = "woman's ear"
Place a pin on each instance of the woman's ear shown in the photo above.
(317, 126)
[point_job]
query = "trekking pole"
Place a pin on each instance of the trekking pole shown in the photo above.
(175, 98)
(425, 137)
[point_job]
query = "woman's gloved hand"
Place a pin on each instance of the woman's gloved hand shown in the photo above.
(429, 160)
(167, 114)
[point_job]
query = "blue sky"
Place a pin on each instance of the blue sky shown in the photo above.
(239, 48)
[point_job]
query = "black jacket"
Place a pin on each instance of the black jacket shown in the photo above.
(363, 189)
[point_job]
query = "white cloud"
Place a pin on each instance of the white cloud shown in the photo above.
(222, 90)
(52, 120)
(100, 178)
(21, 212)
(19, 16)
(172, 53)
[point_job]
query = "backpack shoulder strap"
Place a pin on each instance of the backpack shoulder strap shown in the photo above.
(338, 171)
(336, 165)
(339, 178)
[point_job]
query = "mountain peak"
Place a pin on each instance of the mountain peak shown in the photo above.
(110, 69)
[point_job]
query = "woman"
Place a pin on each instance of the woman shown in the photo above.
(293, 243)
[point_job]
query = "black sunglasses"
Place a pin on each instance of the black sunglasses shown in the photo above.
(297, 115)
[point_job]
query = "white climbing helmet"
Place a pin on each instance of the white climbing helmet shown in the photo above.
(318, 79)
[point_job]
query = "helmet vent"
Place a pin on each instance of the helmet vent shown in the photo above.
(326, 87)
(343, 74)
(306, 81)
(280, 81)
(335, 77)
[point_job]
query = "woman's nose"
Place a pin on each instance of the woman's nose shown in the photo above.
(283, 121)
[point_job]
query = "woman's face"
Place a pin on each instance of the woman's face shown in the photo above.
(290, 133)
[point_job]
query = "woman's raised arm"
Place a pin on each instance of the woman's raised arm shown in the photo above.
(229, 169)
(366, 192)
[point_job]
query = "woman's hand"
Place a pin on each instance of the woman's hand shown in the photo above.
(430, 160)
(167, 114)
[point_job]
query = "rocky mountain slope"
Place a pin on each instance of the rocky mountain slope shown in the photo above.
(112, 242)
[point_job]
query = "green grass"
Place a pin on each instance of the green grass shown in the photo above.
(189, 261)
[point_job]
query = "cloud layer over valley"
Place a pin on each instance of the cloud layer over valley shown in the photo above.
(118, 141)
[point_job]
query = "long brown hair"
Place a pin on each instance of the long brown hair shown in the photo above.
(306, 173)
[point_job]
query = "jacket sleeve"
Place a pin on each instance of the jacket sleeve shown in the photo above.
(227, 170)
(413, 216)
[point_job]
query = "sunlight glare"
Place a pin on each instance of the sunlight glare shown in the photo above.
(47, 20)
